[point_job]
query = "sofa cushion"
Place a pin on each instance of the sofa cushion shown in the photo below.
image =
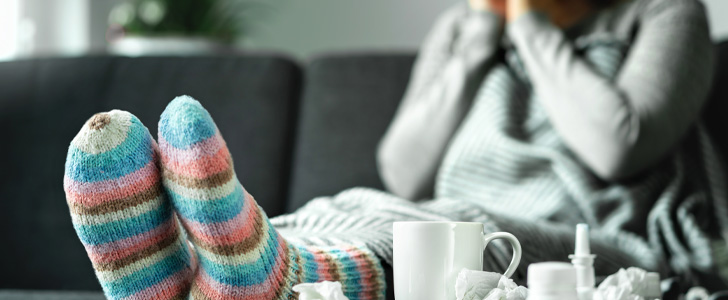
(347, 105)
(44, 103)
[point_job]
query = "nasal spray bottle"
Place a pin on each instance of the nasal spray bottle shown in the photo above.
(563, 281)
(583, 262)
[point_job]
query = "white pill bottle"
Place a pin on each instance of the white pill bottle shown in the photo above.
(552, 281)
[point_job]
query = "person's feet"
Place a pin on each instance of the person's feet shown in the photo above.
(241, 255)
(121, 213)
(124, 218)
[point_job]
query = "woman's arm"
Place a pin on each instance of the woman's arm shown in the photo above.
(621, 127)
(448, 71)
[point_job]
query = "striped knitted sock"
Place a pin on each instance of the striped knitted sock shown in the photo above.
(241, 255)
(121, 212)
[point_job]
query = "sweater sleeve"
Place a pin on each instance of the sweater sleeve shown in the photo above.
(620, 127)
(448, 71)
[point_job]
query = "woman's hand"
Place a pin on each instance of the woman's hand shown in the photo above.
(496, 6)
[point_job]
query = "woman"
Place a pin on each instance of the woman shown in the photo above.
(526, 115)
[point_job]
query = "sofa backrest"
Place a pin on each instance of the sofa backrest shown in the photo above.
(44, 103)
(717, 107)
(347, 104)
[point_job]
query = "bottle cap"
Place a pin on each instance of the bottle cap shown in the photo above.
(551, 277)
(652, 286)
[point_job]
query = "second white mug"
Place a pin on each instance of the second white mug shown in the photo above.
(429, 255)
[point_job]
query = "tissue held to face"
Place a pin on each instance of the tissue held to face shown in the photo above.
(562, 13)
(496, 6)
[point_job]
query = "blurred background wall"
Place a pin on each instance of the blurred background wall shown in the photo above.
(300, 28)
(717, 10)
(311, 26)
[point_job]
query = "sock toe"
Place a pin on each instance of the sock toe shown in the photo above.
(185, 122)
(109, 146)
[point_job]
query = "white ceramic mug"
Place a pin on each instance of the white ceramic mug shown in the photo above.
(429, 255)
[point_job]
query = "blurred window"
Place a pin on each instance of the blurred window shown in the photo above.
(9, 19)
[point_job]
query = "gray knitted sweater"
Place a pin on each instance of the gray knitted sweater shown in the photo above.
(535, 129)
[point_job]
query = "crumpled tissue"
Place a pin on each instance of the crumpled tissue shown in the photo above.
(480, 285)
(325, 290)
(615, 293)
(629, 284)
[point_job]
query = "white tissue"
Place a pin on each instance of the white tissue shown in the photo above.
(629, 284)
(325, 290)
(479, 285)
(615, 293)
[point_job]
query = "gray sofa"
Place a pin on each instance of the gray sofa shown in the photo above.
(295, 133)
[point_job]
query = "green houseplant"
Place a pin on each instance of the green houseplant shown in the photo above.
(139, 27)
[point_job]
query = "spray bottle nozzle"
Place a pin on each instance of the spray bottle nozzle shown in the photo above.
(582, 249)
(583, 261)
(582, 240)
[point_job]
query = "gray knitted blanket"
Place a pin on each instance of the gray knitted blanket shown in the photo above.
(508, 168)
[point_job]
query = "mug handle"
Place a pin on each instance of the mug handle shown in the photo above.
(487, 238)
